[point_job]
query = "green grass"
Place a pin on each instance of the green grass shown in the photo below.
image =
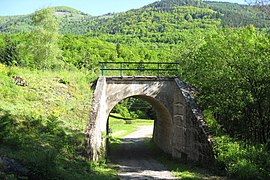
(42, 125)
(121, 127)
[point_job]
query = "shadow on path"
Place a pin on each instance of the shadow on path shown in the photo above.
(134, 160)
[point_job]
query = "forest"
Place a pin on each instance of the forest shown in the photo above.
(223, 50)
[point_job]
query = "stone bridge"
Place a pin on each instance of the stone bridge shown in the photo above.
(179, 130)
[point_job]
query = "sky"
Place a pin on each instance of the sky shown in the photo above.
(92, 7)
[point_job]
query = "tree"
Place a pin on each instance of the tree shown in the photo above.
(9, 51)
(257, 2)
(44, 40)
(232, 71)
(263, 5)
(118, 50)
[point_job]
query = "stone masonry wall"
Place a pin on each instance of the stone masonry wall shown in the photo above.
(180, 129)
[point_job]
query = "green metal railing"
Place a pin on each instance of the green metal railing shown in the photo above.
(139, 68)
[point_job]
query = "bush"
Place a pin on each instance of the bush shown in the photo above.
(243, 169)
(241, 160)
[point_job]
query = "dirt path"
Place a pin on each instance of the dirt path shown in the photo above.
(135, 161)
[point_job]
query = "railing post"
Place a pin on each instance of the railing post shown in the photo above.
(102, 69)
(140, 68)
(121, 67)
(158, 69)
(177, 70)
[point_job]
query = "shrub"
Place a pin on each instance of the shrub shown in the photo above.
(241, 160)
(243, 169)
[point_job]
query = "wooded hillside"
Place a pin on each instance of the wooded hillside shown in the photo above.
(162, 15)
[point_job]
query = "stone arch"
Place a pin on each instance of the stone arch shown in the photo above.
(180, 128)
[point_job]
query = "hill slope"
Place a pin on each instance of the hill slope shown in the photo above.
(43, 116)
(66, 15)
(164, 15)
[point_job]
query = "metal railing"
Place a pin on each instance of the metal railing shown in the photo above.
(139, 68)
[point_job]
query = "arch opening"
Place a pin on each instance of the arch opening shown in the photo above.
(141, 107)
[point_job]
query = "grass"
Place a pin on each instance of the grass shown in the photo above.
(42, 124)
(45, 95)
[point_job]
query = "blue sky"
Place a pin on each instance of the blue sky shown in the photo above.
(93, 7)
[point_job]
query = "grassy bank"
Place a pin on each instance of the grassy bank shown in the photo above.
(42, 125)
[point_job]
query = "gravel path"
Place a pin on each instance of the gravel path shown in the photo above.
(135, 161)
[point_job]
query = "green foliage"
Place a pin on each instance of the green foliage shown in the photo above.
(134, 108)
(122, 110)
(159, 17)
(44, 40)
(236, 15)
(42, 125)
(231, 69)
(16, 24)
(148, 21)
(241, 160)
(9, 51)
(234, 88)
(213, 125)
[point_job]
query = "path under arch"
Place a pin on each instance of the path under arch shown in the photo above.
(134, 160)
